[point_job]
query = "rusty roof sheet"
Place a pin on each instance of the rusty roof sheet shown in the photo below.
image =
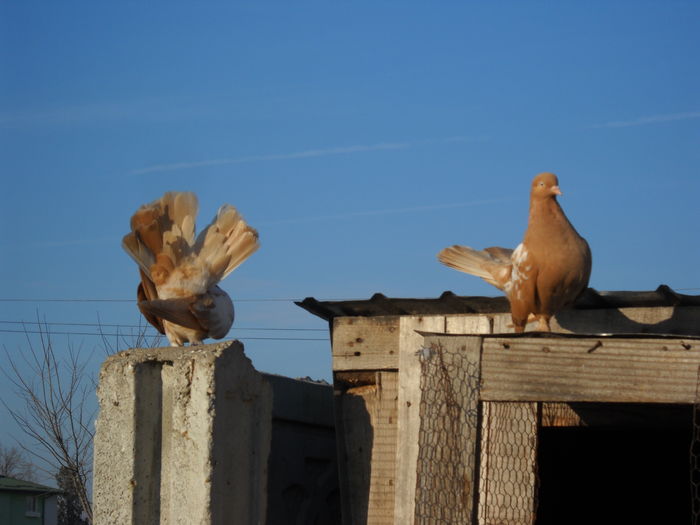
(449, 303)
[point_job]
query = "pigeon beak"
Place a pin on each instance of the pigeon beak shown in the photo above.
(556, 191)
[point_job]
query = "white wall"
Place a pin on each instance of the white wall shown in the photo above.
(51, 510)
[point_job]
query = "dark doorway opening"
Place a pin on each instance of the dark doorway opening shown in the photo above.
(631, 466)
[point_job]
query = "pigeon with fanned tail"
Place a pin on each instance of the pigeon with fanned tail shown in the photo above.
(545, 273)
(179, 293)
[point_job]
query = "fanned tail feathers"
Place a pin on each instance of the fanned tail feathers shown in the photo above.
(226, 243)
(162, 239)
(162, 233)
(492, 265)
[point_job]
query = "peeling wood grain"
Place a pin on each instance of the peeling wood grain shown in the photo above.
(365, 343)
(619, 370)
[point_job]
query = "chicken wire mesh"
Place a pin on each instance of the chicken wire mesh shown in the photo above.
(447, 437)
(468, 472)
(508, 464)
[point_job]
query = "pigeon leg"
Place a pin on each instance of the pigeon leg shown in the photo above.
(543, 323)
(519, 325)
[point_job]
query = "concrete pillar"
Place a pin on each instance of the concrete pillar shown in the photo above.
(183, 437)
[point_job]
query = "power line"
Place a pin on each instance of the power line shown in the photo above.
(3, 330)
(85, 300)
(145, 326)
(238, 300)
(18, 300)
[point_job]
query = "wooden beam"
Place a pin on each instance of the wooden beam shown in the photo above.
(366, 434)
(657, 320)
(468, 324)
(615, 370)
(410, 394)
(409, 411)
(681, 320)
(365, 343)
(446, 469)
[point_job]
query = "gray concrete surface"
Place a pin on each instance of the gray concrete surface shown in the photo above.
(183, 437)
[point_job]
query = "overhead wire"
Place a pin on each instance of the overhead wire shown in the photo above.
(141, 327)
(102, 334)
(113, 325)
(88, 300)
(240, 300)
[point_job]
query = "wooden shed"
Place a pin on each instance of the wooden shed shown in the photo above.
(443, 415)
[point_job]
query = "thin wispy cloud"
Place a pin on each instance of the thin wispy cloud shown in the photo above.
(69, 243)
(390, 211)
(322, 152)
(161, 109)
(654, 119)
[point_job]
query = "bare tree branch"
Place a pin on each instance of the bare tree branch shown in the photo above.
(14, 464)
(54, 397)
(130, 339)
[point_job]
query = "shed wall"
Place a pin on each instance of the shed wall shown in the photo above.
(381, 347)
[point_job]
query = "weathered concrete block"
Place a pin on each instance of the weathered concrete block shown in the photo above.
(183, 437)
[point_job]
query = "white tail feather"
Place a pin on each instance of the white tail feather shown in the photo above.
(226, 243)
(474, 262)
(162, 227)
(138, 252)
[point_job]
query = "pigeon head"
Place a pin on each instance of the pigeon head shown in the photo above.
(545, 186)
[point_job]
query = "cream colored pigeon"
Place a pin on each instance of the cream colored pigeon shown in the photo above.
(178, 293)
(546, 272)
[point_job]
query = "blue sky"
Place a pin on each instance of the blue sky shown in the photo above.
(360, 138)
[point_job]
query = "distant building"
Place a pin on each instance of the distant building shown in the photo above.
(27, 503)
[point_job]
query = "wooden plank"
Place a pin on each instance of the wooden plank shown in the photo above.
(602, 369)
(353, 440)
(409, 397)
(446, 478)
(468, 324)
(508, 467)
(657, 320)
(409, 412)
(383, 415)
(366, 434)
(476, 324)
(365, 343)
(508, 447)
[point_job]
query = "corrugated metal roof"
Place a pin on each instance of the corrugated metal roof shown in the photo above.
(18, 485)
(449, 303)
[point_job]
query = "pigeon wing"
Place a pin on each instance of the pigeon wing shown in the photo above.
(176, 311)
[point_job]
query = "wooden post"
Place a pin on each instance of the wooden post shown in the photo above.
(366, 432)
(365, 364)
(410, 343)
(447, 471)
(508, 446)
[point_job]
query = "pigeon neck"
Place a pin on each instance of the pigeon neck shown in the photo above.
(546, 211)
